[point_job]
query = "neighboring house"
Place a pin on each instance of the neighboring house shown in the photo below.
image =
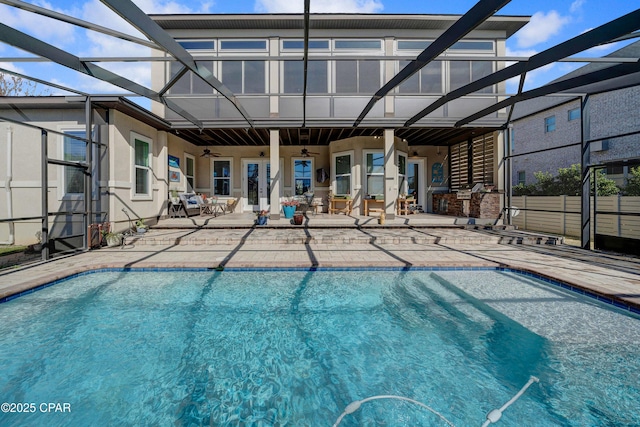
(265, 143)
(540, 126)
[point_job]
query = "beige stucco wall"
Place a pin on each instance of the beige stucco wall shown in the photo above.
(116, 182)
(122, 132)
(24, 184)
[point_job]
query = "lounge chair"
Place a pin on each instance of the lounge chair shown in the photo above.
(192, 203)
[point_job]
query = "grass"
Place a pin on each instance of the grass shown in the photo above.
(8, 250)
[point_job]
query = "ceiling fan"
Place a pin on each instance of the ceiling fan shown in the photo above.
(305, 153)
(207, 153)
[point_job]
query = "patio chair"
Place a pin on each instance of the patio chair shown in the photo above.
(231, 205)
(192, 203)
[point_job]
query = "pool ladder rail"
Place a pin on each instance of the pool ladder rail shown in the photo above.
(492, 417)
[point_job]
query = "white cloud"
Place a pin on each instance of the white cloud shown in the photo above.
(155, 6)
(576, 6)
(46, 29)
(319, 6)
(533, 78)
(541, 27)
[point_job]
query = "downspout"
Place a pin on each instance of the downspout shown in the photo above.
(7, 187)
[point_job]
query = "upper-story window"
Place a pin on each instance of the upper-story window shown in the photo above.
(472, 45)
(574, 114)
(357, 44)
(427, 80)
(244, 76)
(413, 44)
(293, 77)
(190, 83)
(198, 44)
(299, 44)
(259, 45)
(353, 76)
(464, 72)
(550, 124)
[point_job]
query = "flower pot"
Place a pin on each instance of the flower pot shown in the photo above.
(298, 218)
(288, 211)
(262, 220)
(113, 240)
(141, 230)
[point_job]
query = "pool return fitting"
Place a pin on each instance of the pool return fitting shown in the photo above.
(492, 417)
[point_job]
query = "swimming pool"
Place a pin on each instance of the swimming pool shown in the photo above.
(294, 348)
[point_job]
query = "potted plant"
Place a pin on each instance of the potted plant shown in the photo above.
(289, 207)
(298, 218)
(36, 247)
(112, 239)
(141, 227)
(175, 200)
(263, 215)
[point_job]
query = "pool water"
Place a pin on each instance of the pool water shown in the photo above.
(294, 348)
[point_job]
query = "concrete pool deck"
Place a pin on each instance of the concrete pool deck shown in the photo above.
(611, 276)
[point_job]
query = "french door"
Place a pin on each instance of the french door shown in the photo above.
(415, 180)
(256, 184)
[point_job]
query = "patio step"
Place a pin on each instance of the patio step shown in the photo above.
(340, 237)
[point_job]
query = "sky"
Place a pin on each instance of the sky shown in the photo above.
(552, 22)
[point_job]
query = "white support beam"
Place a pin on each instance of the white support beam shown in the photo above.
(276, 173)
(390, 174)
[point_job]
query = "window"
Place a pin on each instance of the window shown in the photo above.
(512, 138)
(142, 165)
(413, 44)
(299, 44)
(222, 177)
(357, 76)
(465, 72)
(302, 176)
(522, 177)
(190, 172)
(293, 78)
(403, 185)
(74, 150)
(374, 180)
(243, 45)
(550, 124)
(467, 45)
(342, 163)
(358, 44)
(574, 114)
(198, 44)
(190, 83)
(427, 80)
(244, 76)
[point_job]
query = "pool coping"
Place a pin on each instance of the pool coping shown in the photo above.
(40, 283)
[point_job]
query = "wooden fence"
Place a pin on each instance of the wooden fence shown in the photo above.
(561, 215)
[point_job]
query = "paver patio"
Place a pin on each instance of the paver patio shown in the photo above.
(610, 275)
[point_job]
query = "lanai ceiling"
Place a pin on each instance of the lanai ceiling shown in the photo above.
(616, 73)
